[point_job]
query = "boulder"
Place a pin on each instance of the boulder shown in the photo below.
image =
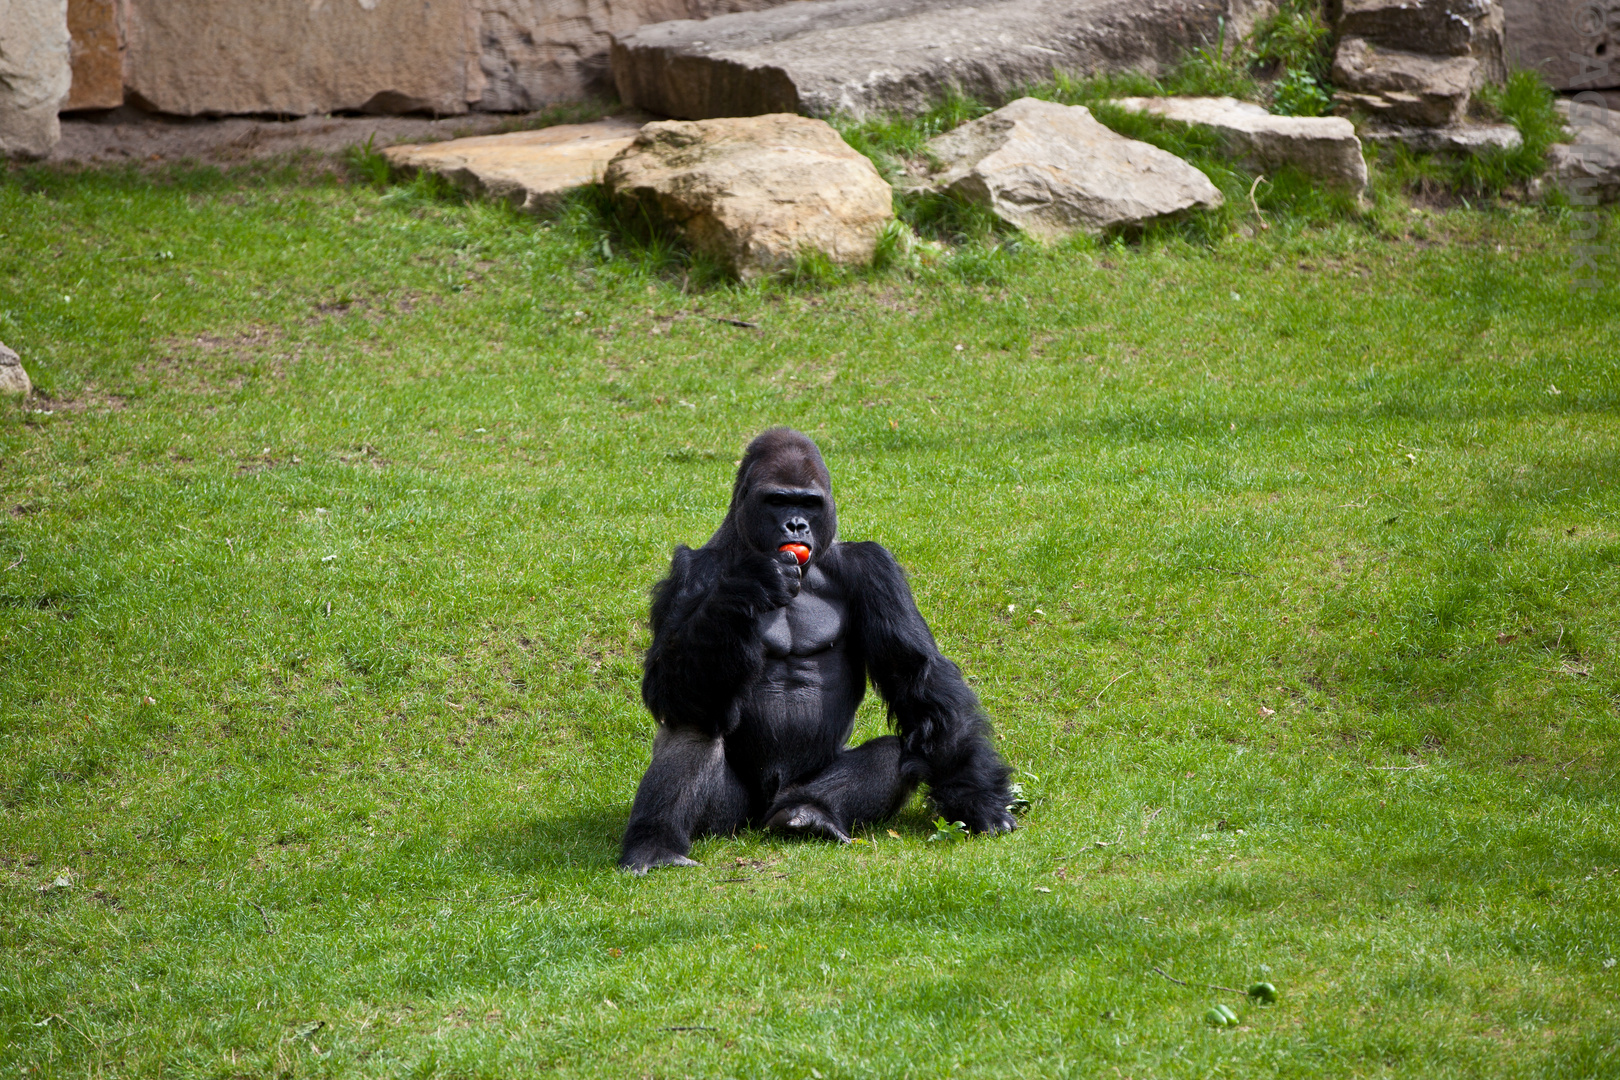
(756, 192)
(297, 57)
(35, 74)
(14, 381)
(1053, 170)
(1588, 168)
(530, 169)
(97, 55)
(533, 53)
(1322, 147)
(1401, 87)
(1452, 141)
(863, 57)
(1570, 42)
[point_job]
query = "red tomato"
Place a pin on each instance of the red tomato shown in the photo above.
(800, 552)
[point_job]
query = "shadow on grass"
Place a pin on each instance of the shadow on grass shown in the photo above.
(579, 838)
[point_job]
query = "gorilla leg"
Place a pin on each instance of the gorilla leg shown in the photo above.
(862, 785)
(688, 791)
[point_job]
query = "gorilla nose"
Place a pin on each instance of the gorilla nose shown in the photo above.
(797, 527)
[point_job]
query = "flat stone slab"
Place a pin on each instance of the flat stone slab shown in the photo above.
(864, 57)
(530, 169)
(1053, 170)
(1322, 147)
(1455, 141)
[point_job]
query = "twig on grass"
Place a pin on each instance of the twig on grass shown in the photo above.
(734, 322)
(1264, 224)
(271, 930)
(690, 1027)
(1400, 768)
(1098, 699)
(1212, 986)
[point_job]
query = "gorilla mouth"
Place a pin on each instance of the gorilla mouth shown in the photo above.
(800, 551)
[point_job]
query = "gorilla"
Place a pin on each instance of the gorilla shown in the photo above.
(762, 643)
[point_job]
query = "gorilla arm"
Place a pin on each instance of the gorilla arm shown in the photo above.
(946, 737)
(705, 644)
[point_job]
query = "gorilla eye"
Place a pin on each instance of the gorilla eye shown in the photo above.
(795, 498)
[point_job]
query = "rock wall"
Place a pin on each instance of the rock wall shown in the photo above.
(297, 57)
(1574, 43)
(97, 52)
(35, 74)
(535, 52)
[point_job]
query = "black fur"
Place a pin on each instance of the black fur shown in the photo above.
(756, 669)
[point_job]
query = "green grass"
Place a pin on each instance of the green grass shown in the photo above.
(1286, 565)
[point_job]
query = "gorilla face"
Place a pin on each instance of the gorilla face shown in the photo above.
(783, 514)
(782, 495)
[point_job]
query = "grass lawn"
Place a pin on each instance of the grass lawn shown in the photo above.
(1285, 564)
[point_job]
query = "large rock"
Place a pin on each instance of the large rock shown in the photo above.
(97, 55)
(756, 192)
(35, 74)
(530, 169)
(537, 52)
(1434, 27)
(1589, 167)
(296, 57)
(1053, 170)
(1572, 43)
(858, 57)
(14, 381)
(1403, 87)
(1323, 147)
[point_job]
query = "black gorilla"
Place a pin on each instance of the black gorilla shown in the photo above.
(757, 666)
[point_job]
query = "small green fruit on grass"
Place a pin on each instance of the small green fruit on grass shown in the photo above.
(1220, 1016)
(1264, 993)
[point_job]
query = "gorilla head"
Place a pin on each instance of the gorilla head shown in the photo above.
(782, 495)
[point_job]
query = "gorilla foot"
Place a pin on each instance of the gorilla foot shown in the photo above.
(807, 819)
(639, 862)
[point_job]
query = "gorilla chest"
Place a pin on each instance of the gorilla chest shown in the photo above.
(812, 624)
(803, 701)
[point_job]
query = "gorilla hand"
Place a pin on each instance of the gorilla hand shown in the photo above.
(777, 576)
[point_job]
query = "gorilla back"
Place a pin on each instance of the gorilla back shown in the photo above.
(758, 663)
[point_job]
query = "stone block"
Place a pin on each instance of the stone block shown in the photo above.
(863, 57)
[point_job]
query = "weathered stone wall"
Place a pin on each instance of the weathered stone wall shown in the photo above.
(535, 52)
(97, 51)
(297, 57)
(1574, 43)
(35, 75)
